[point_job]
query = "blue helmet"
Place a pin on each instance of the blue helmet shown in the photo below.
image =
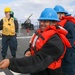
(68, 14)
(49, 14)
(59, 9)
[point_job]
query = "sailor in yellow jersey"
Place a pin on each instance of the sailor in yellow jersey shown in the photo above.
(9, 27)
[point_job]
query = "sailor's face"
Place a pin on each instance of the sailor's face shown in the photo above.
(60, 15)
(43, 24)
(7, 14)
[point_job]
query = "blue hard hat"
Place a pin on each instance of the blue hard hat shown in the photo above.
(68, 14)
(59, 9)
(49, 14)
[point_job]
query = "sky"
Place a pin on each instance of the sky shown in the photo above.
(24, 8)
(5, 1)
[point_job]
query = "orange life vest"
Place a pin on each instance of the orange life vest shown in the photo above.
(39, 39)
(65, 19)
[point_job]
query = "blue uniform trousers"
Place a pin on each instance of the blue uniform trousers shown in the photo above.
(10, 41)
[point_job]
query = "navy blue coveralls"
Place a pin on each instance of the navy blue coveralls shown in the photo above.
(10, 41)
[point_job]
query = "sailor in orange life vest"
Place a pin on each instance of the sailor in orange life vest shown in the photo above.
(68, 22)
(46, 50)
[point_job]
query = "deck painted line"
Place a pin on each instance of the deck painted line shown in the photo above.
(2, 73)
(25, 37)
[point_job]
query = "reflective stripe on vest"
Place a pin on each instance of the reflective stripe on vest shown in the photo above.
(33, 44)
(8, 26)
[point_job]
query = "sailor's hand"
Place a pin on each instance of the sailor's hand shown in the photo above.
(28, 53)
(4, 64)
